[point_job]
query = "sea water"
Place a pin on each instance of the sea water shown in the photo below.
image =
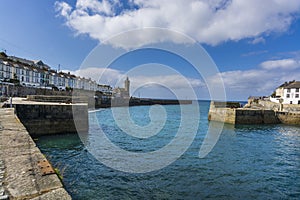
(247, 162)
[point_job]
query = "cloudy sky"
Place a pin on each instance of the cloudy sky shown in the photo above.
(254, 44)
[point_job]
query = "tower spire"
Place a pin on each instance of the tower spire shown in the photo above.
(127, 85)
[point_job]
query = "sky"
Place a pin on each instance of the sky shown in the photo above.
(254, 44)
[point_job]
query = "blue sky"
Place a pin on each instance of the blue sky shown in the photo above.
(255, 44)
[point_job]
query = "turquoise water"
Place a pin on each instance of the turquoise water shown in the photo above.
(248, 162)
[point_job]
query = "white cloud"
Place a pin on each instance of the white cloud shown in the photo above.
(208, 21)
(241, 84)
(64, 8)
(166, 86)
(102, 75)
(104, 7)
(143, 83)
(258, 40)
(254, 53)
(171, 81)
(286, 64)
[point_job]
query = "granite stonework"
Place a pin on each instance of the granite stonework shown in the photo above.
(52, 119)
(257, 114)
(23, 178)
(291, 118)
(45, 118)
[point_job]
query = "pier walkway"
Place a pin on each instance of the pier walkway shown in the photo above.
(21, 174)
(3, 195)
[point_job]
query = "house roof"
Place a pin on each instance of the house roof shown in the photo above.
(295, 84)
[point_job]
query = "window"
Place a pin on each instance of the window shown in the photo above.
(291, 102)
(297, 89)
(289, 90)
(297, 96)
(298, 102)
(287, 95)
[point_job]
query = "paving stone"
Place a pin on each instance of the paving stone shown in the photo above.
(59, 194)
(18, 164)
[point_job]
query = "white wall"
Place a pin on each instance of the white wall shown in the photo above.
(294, 96)
(275, 100)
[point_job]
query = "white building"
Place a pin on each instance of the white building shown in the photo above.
(37, 74)
(5, 70)
(288, 93)
(291, 93)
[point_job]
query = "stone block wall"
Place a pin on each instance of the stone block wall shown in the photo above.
(221, 114)
(248, 116)
(52, 119)
(241, 115)
(268, 105)
(291, 107)
(291, 118)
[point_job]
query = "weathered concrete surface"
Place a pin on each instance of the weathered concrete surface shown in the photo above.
(226, 115)
(252, 116)
(255, 116)
(292, 118)
(268, 105)
(23, 178)
(44, 118)
(58, 194)
(3, 195)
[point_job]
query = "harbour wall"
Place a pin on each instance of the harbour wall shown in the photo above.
(291, 118)
(44, 115)
(45, 119)
(226, 115)
(133, 101)
(268, 105)
(27, 173)
(248, 116)
(251, 116)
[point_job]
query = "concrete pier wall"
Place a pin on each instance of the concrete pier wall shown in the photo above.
(248, 116)
(23, 177)
(251, 116)
(45, 119)
(226, 115)
(292, 118)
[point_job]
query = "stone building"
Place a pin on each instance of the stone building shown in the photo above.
(287, 93)
(123, 92)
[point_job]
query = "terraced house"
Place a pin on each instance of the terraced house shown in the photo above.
(288, 93)
(29, 73)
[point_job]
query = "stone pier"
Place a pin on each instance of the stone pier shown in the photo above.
(44, 118)
(20, 161)
(220, 112)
